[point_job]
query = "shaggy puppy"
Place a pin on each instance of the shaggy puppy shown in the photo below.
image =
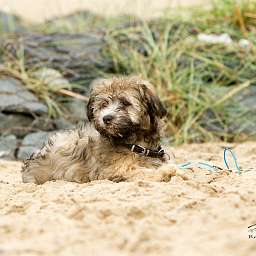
(121, 141)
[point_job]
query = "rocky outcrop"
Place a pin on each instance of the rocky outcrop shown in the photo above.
(24, 121)
(14, 97)
(8, 146)
(244, 105)
(32, 143)
(76, 56)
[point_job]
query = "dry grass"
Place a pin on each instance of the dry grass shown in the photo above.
(188, 73)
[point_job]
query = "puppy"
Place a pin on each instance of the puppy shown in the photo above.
(121, 142)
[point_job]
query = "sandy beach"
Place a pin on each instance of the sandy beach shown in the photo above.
(42, 10)
(201, 214)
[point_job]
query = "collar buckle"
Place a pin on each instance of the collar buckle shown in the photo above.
(139, 150)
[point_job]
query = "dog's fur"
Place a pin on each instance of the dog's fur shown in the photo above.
(97, 151)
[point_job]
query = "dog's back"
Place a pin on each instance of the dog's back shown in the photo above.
(61, 157)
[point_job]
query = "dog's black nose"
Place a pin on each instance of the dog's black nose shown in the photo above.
(107, 119)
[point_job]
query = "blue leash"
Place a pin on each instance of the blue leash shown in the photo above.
(226, 150)
(209, 167)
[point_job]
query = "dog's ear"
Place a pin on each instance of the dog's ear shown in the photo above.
(154, 105)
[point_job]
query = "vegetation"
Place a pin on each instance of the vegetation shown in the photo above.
(198, 82)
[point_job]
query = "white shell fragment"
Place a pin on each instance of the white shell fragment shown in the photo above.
(215, 39)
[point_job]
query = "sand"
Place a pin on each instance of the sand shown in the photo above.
(42, 10)
(205, 214)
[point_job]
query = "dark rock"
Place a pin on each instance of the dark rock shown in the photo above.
(26, 151)
(16, 124)
(242, 117)
(43, 123)
(14, 97)
(35, 139)
(32, 143)
(76, 56)
(77, 110)
(63, 124)
(21, 124)
(246, 99)
(8, 145)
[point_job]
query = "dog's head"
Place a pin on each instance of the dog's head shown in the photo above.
(122, 107)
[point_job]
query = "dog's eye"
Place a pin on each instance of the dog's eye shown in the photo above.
(103, 104)
(125, 102)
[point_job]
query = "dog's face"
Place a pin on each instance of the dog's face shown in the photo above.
(122, 107)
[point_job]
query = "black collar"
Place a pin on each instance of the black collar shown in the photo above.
(158, 153)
